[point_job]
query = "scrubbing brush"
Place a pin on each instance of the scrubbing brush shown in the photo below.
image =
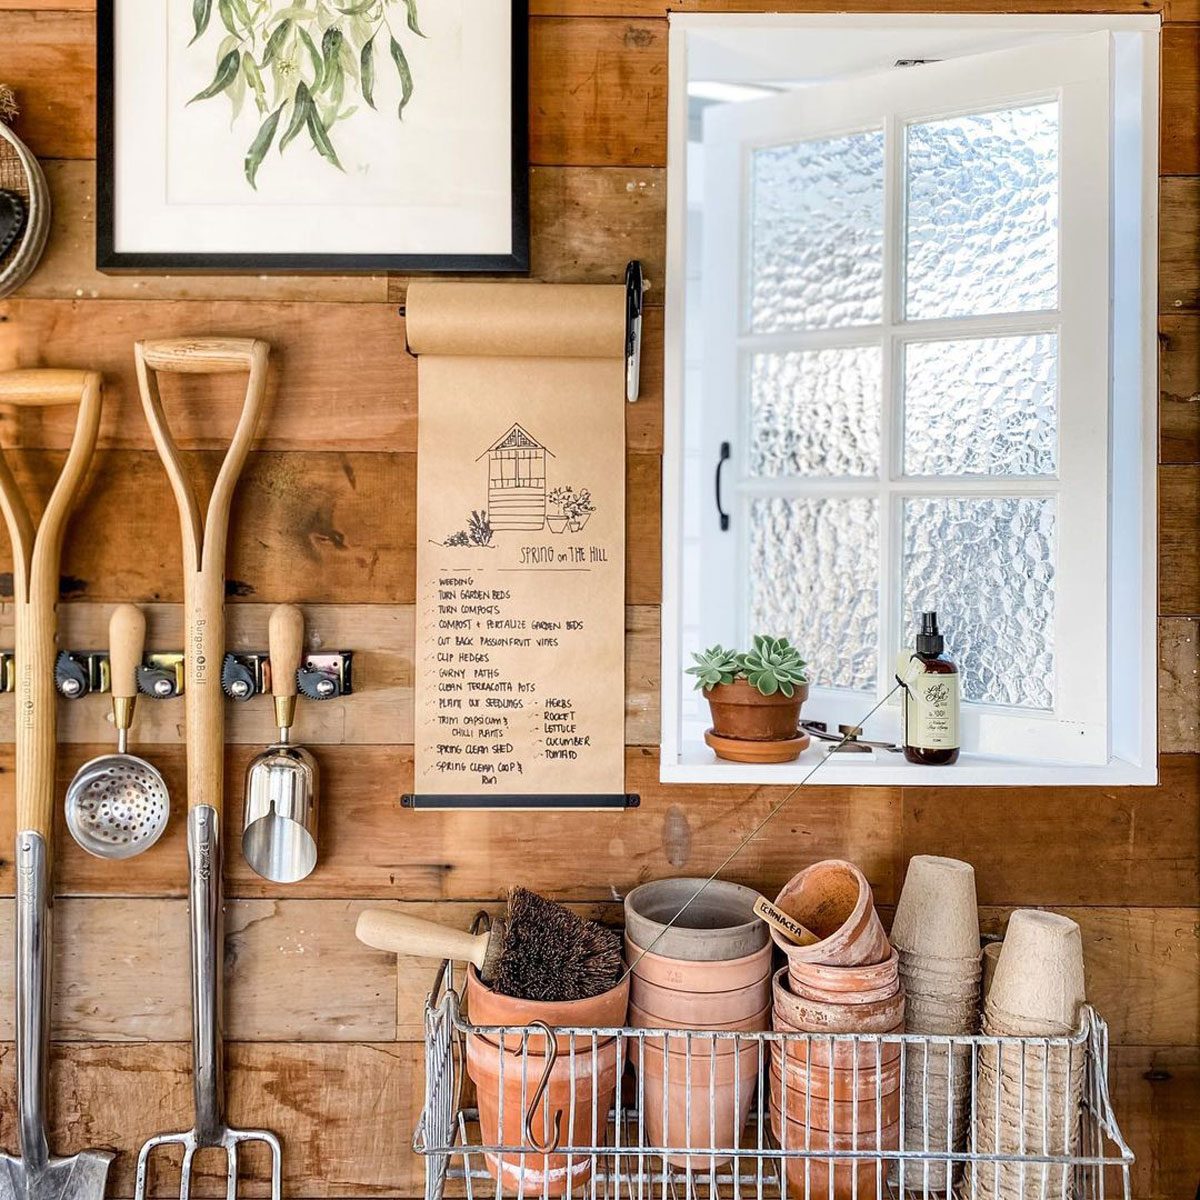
(539, 950)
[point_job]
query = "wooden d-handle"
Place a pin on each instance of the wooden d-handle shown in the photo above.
(203, 356)
(44, 387)
(126, 643)
(205, 535)
(398, 933)
(37, 552)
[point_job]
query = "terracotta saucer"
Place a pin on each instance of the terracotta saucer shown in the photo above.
(739, 750)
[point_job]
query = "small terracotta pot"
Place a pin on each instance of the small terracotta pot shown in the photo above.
(743, 712)
(718, 975)
(694, 919)
(722, 1090)
(568, 1096)
(820, 1047)
(803, 1101)
(488, 1007)
(826, 1179)
(847, 985)
(700, 1010)
(833, 899)
(847, 1083)
(816, 1016)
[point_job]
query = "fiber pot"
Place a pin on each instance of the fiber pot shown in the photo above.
(569, 1095)
(833, 899)
(1039, 975)
(741, 711)
(717, 926)
(722, 1089)
(488, 1007)
(937, 914)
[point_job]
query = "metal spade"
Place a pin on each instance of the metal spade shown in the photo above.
(36, 1174)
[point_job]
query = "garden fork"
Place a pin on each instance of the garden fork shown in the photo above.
(204, 541)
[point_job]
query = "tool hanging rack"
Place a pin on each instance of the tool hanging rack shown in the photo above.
(614, 1157)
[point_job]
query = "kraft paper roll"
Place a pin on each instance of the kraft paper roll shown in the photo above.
(506, 320)
(520, 661)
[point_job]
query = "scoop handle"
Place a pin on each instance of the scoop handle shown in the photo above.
(399, 933)
(126, 644)
(285, 640)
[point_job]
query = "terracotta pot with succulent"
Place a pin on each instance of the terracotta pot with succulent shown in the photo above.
(755, 699)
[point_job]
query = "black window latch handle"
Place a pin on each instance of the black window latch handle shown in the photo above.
(726, 454)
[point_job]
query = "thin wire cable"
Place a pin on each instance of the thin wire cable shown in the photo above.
(756, 831)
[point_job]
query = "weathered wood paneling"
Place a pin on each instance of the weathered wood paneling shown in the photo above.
(1178, 556)
(1179, 378)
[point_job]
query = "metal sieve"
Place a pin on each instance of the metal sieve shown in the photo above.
(118, 804)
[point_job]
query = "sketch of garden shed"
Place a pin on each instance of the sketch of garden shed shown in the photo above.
(516, 481)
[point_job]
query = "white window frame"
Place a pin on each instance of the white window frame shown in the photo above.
(1128, 725)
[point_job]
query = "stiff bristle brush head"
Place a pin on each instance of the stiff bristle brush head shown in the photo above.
(552, 954)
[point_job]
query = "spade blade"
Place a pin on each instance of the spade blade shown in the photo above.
(81, 1177)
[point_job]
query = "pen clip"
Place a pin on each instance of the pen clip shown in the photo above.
(634, 290)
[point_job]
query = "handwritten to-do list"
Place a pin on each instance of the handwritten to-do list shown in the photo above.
(520, 556)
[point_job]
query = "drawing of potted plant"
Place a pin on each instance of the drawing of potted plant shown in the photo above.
(573, 509)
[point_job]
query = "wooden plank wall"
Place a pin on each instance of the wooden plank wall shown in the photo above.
(326, 1035)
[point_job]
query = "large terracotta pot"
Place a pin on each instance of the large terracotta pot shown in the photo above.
(488, 1007)
(805, 1101)
(743, 712)
(580, 1094)
(700, 1010)
(718, 975)
(833, 899)
(643, 1020)
(722, 1090)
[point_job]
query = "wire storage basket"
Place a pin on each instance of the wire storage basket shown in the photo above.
(640, 1114)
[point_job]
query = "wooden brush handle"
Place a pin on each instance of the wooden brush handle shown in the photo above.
(37, 551)
(398, 933)
(204, 539)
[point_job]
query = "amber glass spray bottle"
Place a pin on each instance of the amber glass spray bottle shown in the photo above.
(931, 698)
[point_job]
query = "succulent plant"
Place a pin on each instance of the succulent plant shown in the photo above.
(716, 665)
(774, 665)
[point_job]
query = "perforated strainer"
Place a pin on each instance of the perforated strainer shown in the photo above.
(117, 804)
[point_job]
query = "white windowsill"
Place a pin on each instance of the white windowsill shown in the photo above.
(698, 764)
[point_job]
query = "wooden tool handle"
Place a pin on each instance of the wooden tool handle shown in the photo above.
(200, 356)
(126, 644)
(204, 540)
(285, 639)
(398, 933)
(37, 552)
(45, 387)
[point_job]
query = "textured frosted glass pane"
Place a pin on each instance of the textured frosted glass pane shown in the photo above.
(982, 406)
(987, 567)
(816, 234)
(815, 412)
(813, 578)
(983, 213)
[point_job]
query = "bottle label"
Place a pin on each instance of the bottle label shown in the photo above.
(932, 716)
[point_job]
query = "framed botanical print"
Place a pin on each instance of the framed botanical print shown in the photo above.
(326, 135)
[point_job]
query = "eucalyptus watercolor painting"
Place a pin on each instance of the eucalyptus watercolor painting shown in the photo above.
(307, 65)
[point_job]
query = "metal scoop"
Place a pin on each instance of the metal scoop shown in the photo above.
(279, 839)
(118, 804)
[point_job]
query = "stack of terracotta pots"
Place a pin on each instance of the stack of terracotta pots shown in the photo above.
(1029, 1095)
(580, 1092)
(710, 969)
(936, 935)
(829, 1096)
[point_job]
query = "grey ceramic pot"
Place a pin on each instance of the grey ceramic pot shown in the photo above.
(719, 924)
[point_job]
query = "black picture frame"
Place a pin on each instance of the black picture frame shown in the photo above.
(109, 259)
